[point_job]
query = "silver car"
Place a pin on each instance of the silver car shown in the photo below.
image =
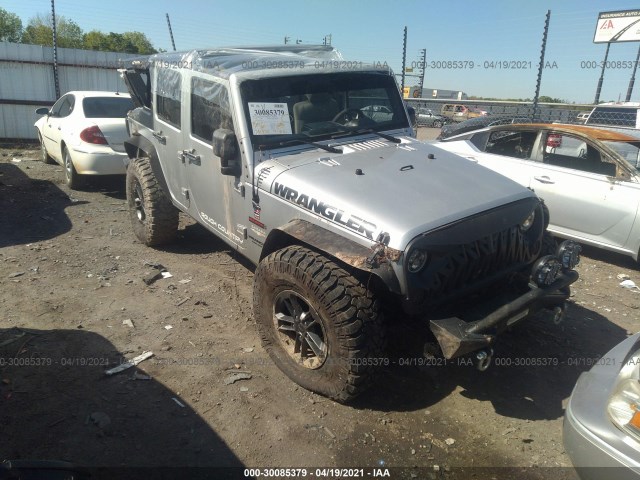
(588, 177)
(602, 418)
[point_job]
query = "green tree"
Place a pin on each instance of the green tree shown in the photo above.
(96, 40)
(140, 41)
(127, 42)
(546, 99)
(39, 31)
(10, 27)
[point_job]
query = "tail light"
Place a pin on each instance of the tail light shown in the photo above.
(93, 135)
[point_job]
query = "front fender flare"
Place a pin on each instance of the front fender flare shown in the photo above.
(337, 247)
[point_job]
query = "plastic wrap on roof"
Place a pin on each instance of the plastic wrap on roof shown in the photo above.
(169, 85)
(223, 62)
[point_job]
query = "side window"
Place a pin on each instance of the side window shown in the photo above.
(572, 152)
(63, 107)
(210, 109)
(511, 144)
(168, 88)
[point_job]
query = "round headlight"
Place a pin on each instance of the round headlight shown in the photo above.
(526, 224)
(569, 254)
(546, 271)
(416, 261)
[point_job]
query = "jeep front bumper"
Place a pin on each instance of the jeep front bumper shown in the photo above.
(551, 275)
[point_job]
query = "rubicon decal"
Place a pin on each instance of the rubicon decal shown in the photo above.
(328, 211)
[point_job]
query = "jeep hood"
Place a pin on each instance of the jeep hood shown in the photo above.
(377, 186)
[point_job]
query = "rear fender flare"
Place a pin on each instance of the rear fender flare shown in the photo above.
(134, 145)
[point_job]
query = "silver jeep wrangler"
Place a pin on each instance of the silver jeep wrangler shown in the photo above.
(308, 166)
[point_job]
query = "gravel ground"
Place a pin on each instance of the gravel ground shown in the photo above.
(73, 303)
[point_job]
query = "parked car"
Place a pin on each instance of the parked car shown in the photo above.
(339, 212)
(588, 177)
(478, 123)
(426, 118)
(458, 113)
(615, 114)
(602, 420)
(85, 133)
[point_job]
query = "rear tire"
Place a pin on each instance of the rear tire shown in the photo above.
(44, 155)
(153, 216)
(73, 180)
(321, 326)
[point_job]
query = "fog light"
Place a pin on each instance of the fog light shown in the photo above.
(569, 254)
(546, 270)
(416, 261)
(526, 224)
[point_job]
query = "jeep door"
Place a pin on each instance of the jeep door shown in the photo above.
(216, 199)
(168, 131)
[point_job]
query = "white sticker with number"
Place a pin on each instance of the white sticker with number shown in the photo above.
(270, 118)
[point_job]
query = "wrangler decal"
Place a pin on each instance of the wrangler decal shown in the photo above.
(327, 211)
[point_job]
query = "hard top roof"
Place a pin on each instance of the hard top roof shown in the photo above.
(225, 61)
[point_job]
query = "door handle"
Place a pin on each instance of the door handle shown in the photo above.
(191, 156)
(160, 137)
(544, 179)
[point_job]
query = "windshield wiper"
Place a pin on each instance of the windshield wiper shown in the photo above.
(391, 138)
(308, 142)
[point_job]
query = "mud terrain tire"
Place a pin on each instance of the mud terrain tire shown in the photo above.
(153, 216)
(321, 326)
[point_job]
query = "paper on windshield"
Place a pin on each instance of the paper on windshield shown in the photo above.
(270, 118)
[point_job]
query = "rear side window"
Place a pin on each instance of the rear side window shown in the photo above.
(106, 107)
(168, 88)
(614, 116)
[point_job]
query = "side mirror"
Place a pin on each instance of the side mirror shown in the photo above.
(42, 111)
(225, 146)
(412, 116)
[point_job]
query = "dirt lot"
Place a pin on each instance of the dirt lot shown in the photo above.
(73, 303)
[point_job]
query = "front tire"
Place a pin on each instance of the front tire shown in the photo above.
(73, 180)
(153, 216)
(320, 325)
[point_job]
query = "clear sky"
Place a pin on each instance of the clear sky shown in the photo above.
(449, 30)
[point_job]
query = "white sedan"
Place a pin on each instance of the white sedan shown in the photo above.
(588, 177)
(85, 133)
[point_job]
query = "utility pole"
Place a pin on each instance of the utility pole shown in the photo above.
(541, 66)
(423, 66)
(404, 59)
(171, 33)
(633, 77)
(604, 64)
(56, 81)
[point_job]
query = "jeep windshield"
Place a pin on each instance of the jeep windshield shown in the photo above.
(315, 107)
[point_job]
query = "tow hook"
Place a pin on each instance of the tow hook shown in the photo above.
(558, 314)
(484, 358)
